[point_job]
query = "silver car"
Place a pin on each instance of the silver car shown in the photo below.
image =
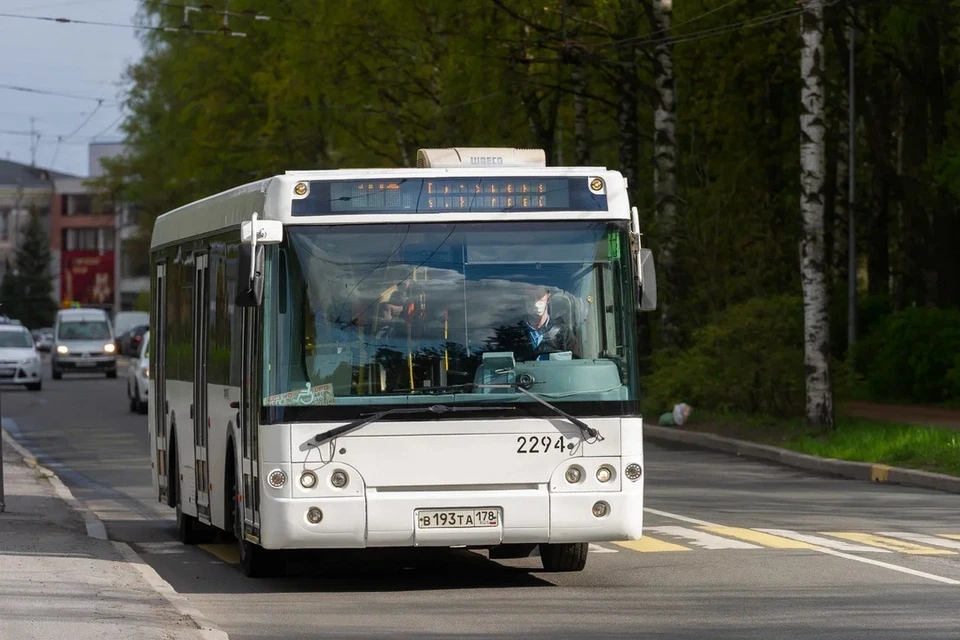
(83, 342)
(19, 359)
(138, 377)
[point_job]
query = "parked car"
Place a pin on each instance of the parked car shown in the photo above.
(43, 339)
(138, 377)
(83, 341)
(131, 340)
(19, 359)
(123, 321)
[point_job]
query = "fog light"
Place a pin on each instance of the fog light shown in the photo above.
(604, 474)
(314, 515)
(277, 478)
(633, 471)
(308, 479)
(601, 509)
(573, 475)
(339, 479)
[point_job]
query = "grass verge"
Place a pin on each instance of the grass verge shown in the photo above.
(856, 439)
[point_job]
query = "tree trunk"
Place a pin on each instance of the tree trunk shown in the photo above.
(665, 168)
(581, 117)
(816, 321)
(841, 191)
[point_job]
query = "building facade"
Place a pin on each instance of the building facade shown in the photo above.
(24, 190)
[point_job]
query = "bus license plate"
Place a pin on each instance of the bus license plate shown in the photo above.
(457, 518)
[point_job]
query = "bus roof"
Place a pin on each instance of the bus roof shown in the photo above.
(272, 198)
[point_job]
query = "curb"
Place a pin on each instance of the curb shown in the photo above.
(867, 471)
(96, 529)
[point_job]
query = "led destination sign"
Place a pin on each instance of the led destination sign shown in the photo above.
(450, 195)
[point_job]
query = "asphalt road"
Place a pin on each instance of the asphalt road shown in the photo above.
(736, 549)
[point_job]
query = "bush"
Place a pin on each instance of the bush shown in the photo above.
(912, 356)
(749, 359)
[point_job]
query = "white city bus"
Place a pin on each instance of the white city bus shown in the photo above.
(372, 358)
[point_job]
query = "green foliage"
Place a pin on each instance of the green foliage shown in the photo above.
(750, 358)
(912, 356)
(27, 294)
(142, 303)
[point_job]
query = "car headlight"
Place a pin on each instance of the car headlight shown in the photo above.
(30, 360)
(62, 349)
(146, 372)
(109, 347)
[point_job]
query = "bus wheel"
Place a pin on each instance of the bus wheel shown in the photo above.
(255, 561)
(564, 557)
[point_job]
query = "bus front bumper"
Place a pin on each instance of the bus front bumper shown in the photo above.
(390, 518)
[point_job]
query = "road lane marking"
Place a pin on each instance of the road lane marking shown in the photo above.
(889, 543)
(820, 541)
(226, 552)
(646, 544)
(954, 536)
(596, 548)
(892, 567)
(759, 537)
(674, 516)
(839, 554)
(922, 538)
(702, 538)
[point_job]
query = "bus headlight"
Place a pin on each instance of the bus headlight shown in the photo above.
(339, 479)
(633, 471)
(573, 474)
(604, 473)
(314, 515)
(277, 478)
(601, 509)
(308, 479)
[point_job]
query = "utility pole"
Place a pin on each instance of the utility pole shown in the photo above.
(117, 246)
(33, 142)
(851, 195)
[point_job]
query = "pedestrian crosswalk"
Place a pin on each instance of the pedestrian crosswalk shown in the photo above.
(673, 538)
(677, 539)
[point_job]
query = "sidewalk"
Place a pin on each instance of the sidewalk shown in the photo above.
(60, 577)
(909, 414)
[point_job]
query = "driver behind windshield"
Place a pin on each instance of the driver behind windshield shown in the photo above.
(546, 331)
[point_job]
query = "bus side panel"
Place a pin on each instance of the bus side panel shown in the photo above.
(223, 379)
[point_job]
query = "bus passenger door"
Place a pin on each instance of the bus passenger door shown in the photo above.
(158, 363)
(201, 426)
(249, 419)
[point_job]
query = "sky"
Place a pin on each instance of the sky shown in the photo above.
(84, 61)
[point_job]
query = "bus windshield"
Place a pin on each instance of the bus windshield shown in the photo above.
(395, 314)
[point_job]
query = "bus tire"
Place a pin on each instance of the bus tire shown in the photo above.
(564, 557)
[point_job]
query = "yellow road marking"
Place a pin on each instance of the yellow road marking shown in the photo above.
(226, 552)
(879, 473)
(646, 544)
(890, 543)
(758, 537)
(955, 536)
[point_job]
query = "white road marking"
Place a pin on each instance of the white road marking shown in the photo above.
(595, 548)
(922, 538)
(703, 539)
(830, 552)
(820, 541)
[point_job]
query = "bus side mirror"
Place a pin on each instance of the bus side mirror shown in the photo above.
(249, 276)
(648, 281)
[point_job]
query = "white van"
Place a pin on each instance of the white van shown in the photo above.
(83, 342)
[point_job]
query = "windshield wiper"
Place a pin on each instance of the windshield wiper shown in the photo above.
(373, 417)
(586, 430)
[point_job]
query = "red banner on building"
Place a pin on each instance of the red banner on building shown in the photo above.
(86, 277)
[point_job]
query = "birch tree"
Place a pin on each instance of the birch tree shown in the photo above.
(660, 13)
(813, 270)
